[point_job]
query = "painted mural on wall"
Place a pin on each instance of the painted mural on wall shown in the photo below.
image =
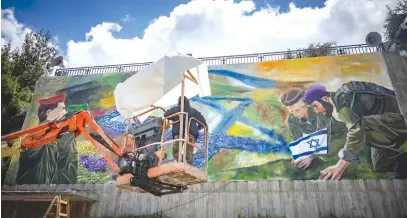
(271, 120)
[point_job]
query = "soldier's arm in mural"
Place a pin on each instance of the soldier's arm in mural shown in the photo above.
(294, 127)
(55, 162)
(322, 121)
(387, 130)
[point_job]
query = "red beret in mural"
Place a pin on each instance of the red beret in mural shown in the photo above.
(53, 99)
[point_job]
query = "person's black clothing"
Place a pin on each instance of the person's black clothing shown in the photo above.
(192, 112)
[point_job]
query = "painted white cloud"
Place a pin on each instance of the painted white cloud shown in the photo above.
(212, 28)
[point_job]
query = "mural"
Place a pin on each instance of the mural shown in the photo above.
(261, 117)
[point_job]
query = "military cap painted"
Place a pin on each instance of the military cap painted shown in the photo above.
(53, 99)
(291, 96)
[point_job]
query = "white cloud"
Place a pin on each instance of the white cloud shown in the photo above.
(212, 28)
(11, 29)
(127, 19)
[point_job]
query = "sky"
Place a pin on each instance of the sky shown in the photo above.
(89, 33)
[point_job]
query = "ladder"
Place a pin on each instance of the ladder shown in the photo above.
(58, 204)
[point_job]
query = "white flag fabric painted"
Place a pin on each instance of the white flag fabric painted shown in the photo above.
(314, 143)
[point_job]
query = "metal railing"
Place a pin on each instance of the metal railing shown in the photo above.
(232, 59)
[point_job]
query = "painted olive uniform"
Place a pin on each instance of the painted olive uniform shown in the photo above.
(299, 126)
(375, 121)
(55, 163)
(336, 130)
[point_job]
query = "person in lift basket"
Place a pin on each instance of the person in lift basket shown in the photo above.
(193, 129)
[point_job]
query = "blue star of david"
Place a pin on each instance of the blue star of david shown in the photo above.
(314, 143)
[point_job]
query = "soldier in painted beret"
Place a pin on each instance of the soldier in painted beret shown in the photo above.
(373, 118)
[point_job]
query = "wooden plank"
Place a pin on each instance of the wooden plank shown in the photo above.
(32, 196)
(358, 198)
(178, 169)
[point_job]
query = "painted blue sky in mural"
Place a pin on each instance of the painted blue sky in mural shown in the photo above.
(218, 139)
(252, 81)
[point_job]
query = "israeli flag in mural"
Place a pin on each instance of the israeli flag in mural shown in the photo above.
(314, 143)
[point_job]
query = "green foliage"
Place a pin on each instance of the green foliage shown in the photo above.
(20, 69)
(289, 55)
(394, 18)
(318, 49)
(314, 50)
(87, 177)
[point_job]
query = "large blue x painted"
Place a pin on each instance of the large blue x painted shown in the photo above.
(218, 138)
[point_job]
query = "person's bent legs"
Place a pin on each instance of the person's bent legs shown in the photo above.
(190, 150)
(175, 148)
(385, 134)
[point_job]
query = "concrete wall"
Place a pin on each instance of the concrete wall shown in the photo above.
(248, 134)
(345, 198)
(397, 69)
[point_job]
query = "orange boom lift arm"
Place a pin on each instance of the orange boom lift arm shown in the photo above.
(144, 166)
(137, 169)
(52, 131)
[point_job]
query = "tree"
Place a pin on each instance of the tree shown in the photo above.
(20, 69)
(317, 50)
(393, 20)
(289, 55)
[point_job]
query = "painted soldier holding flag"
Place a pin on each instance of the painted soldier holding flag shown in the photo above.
(303, 120)
(373, 118)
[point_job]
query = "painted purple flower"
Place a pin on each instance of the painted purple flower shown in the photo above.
(93, 163)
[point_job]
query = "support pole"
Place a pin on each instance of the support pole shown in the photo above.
(181, 122)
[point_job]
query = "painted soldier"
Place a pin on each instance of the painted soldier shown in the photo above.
(54, 163)
(373, 118)
(304, 120)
